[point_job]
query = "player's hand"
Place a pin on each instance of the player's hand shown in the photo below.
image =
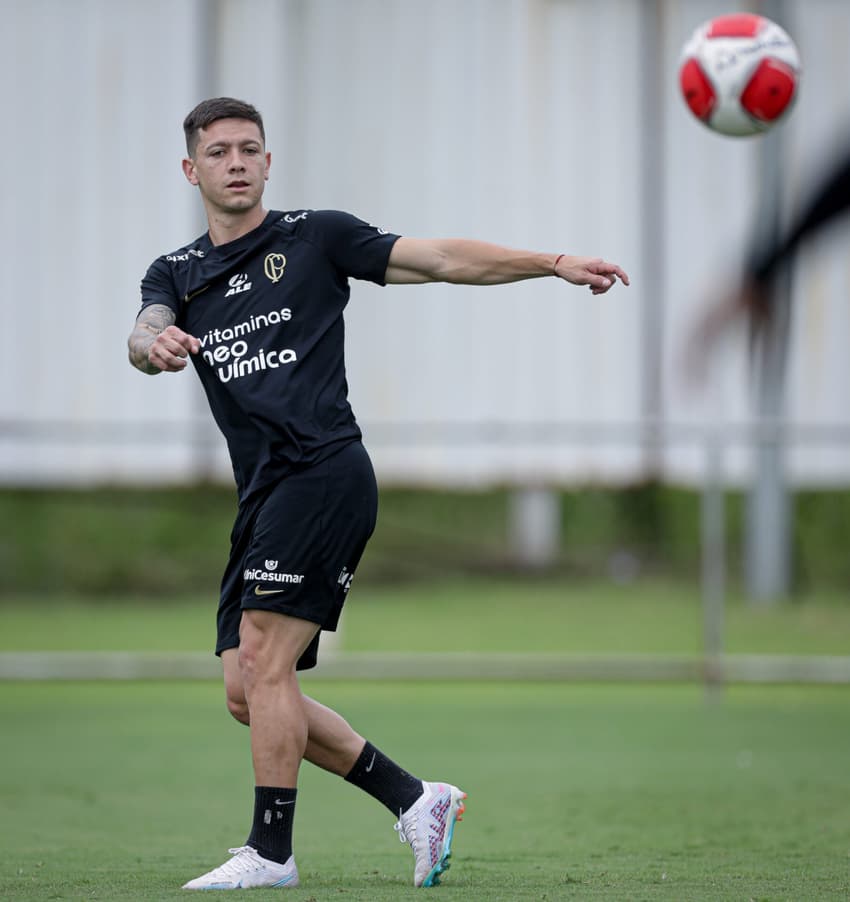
(594, 272)
(169, 351)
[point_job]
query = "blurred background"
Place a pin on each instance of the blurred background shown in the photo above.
(525, 436)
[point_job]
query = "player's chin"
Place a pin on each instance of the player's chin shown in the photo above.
(239, 203)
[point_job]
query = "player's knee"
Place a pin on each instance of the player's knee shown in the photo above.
(238, 708)
(235, 700)
(261, 660)
(249, 659)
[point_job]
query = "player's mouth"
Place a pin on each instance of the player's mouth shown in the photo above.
(238, 185)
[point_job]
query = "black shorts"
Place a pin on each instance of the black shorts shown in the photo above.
(295, 548)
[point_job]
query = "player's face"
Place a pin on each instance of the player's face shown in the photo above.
(230, 165)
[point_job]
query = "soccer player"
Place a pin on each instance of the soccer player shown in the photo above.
(257, 304)
(829, 200)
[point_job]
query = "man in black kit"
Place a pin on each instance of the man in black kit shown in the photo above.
(752, 298)
(257, 303)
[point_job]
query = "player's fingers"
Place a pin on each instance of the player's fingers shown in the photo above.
(618, 271)
(168, 353)
(598, 283)
(174, 347)
(179, 344)
(168, 363)
(605, 268)
(598, 274)
(184, 339)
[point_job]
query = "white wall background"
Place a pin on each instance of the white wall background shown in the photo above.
(526, 122)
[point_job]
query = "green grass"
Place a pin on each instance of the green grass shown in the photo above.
(122, 791)
(474, 614)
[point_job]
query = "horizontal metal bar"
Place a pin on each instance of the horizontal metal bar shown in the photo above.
(763, 669)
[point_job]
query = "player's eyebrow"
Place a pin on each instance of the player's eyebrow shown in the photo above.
(249, 142)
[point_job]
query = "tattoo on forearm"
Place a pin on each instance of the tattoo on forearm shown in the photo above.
(151, 321)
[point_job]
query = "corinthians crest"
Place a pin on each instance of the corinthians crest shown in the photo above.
(274, 266)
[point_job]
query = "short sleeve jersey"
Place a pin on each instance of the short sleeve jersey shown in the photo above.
(267, 309)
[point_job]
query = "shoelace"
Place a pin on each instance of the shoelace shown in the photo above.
(413, 839)
(399, 828)
(242, 857)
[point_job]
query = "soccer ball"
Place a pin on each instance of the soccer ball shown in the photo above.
(739, 74)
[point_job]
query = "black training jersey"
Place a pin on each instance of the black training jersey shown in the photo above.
(267, 310)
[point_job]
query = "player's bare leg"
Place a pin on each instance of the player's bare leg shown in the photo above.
(425, 811)
(270, 646)
(331, 742)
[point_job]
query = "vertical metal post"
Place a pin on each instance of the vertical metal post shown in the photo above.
(768, 555)
(767, 550)
(535, 526)
(205, 436)
(713, 538)
(653, 76)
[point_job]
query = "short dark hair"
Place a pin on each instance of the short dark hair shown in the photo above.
(209, 111)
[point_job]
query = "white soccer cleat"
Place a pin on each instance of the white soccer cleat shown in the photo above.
(245, 870)
(428, 826)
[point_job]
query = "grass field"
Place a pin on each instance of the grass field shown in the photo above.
(122, 791)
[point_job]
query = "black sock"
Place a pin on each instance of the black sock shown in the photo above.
(384, 780)
(274, 811)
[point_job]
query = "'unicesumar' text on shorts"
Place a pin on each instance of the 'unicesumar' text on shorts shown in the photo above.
(295, 547)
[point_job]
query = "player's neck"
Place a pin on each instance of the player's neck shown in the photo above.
(225, 227)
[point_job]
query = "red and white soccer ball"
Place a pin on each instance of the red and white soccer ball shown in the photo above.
(739, 74)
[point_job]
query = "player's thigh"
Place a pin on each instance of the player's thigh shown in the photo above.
(270, 643)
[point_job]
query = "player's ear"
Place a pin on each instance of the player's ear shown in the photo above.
(268, 164)
(189, 170)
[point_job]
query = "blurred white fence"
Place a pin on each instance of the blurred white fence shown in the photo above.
(546, 124)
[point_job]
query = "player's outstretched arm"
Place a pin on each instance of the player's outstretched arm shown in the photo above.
(466, 262)
(156, 345)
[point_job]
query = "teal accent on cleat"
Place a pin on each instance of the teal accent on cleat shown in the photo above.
(428, 826)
